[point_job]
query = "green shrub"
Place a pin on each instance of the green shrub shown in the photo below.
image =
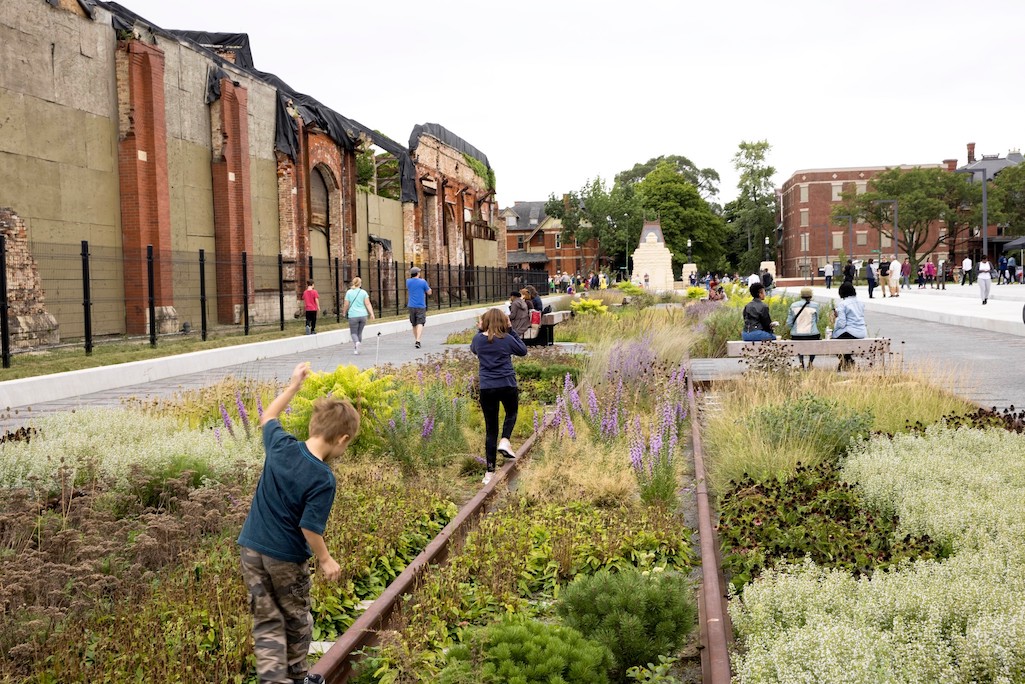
(636, 617)
(592, 307)
(524, 653)
(696, 292)
(810, 419)
(719, 326)
(628, 288)
(371, 395)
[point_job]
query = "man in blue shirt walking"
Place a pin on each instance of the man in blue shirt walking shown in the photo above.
(418, 291)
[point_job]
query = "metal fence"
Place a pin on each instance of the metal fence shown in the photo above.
(62, 296)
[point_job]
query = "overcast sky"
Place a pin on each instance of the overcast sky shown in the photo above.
(557, 92)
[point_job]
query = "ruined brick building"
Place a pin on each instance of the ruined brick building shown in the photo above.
(125, 134)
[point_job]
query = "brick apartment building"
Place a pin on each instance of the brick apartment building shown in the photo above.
(534, 240)
(810, 238)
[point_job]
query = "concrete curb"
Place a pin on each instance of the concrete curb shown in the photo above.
(57, 386)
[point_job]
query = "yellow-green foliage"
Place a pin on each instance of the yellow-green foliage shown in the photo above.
(371, 395)
(696, 292)
(591, 307)
(629, 288)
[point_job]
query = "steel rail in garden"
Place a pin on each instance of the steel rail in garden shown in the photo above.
(715, 629)
(336, 665)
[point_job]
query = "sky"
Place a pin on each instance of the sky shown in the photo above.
(558, 92)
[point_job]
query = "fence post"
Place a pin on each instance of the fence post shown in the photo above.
(338, 302)
(359, 268)
(202, 294)
(245, 293)
(437, 283)
(87, 304)
(395, 269)
(310, 276)
(281, 290)
(380, 289)
(5, 321)
(152, 297)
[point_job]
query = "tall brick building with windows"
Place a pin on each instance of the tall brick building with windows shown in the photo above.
(810, 238)
(534, 240)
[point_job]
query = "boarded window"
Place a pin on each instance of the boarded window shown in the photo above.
(804, 193)
(804, 242)
(804, 218)
(837, 189)
(318, 199)
(862, 238)
(837, 240)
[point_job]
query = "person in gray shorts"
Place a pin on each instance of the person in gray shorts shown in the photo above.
(418, 290)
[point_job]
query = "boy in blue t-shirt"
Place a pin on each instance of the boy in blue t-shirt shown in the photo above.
(285, 526)
(417, 304)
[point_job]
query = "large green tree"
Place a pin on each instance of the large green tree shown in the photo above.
(609, 216)
(705, 180)
(924, 197)
(752, 215)
(683, 214)
(1007, 199)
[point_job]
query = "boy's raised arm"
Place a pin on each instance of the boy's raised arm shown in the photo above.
(281, 401)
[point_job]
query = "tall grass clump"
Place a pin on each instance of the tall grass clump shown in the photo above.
(761, 427)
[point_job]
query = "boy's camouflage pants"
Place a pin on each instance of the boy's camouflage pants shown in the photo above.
(279, 599)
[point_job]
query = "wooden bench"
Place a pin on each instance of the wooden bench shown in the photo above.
(875, 348)
(546, 334)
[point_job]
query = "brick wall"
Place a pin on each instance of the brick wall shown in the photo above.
(30, 324)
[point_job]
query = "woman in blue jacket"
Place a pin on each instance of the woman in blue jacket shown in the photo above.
(850, 321)
(494, 346)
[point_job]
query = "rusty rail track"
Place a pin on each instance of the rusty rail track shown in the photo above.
(336, 665)
(714, 621)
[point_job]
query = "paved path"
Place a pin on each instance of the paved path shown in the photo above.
(396, 348)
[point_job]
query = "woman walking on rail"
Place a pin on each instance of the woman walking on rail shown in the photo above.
(357, 308)
(494, 346)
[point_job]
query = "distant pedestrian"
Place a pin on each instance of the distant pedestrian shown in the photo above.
(494, 346)
(870, 275)
(595, 281)
(768, 282)
(895, 271)
(535, 299)
(883, 275)
(1002, 270)
(930, 272)
(311, 301)
(827, 271)
(418, 290)
(966, 271)
(849, 271)
(1012, 268)
(647, 281)
(985, 278)
(357, 309)
(905, 273)
(754, 279)
(519, 313)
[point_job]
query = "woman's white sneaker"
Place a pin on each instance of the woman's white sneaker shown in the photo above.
(505, 448)
(487, 477)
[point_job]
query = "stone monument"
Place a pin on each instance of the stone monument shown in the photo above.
(653, 262)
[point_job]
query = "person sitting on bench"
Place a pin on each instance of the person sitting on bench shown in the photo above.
(850, 321)
(758, 324)
(803, 321)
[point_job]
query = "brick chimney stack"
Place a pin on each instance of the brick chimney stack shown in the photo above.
(971, 153)
(951, 164)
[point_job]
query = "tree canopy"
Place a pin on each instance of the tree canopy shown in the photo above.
(1007, 199)
(752, 215)
(924, 197)
(609, 216)
(705, 180)
(683, 214)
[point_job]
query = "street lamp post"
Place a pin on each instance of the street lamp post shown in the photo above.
(985, 206)
(896, 229)
(766, 248)
(850, 234)
(690, 258)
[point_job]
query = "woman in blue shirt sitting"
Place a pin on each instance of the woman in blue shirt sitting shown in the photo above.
(850, 320)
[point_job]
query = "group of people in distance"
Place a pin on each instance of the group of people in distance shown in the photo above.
(847, 318)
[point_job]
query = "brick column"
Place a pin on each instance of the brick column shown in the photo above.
(142, 171)
(233, 225)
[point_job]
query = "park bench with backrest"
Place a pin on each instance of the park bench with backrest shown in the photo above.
(876, 349)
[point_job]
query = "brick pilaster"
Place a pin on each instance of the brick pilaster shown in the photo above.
(233, 226)
(142, 170)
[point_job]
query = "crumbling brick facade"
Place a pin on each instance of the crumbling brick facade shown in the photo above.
(30, 323)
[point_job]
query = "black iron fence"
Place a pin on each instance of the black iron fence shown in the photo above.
(60, 295)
